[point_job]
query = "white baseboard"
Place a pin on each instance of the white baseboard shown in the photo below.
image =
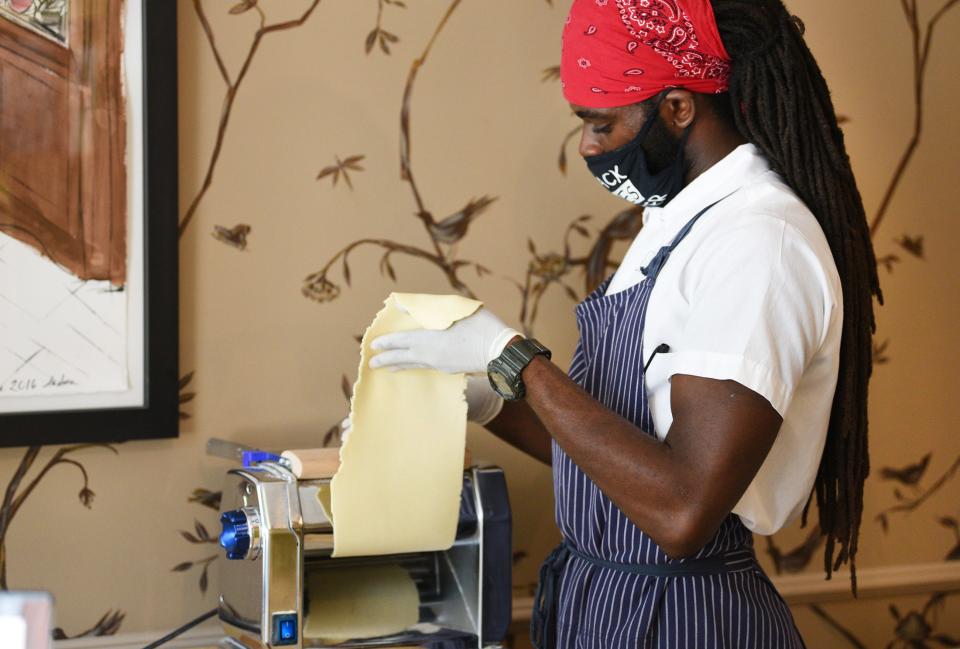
(207, 634)
(872, 583)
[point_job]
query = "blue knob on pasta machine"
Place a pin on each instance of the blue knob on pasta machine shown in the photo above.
(235, 533)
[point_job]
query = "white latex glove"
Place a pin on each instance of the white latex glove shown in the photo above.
(466, 346)
(483, 403)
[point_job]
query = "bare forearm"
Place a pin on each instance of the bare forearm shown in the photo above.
(680, 491)
(518, 426)
(641, 475)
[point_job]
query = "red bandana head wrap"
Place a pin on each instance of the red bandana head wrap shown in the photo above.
(620, 52)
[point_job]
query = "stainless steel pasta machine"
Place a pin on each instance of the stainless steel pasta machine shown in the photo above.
(278, 541)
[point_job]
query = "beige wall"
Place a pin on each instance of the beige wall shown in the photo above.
(268, 362)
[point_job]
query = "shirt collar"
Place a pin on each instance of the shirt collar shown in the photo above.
(737, 169)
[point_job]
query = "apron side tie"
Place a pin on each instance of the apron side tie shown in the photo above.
(543, 621)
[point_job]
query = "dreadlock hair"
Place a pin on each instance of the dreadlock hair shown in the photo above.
(779, 101)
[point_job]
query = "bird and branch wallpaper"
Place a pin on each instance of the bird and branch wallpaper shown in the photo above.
(332, 152)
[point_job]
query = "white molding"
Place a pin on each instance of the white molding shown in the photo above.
(886, 582)
(872, 583)
(205, 635)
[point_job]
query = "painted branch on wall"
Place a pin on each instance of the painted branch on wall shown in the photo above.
(910, 504)
(546, 269)
(442, 235)
(917, 629)
(108, 624)
(233, 85)
(831, 621)
(342, 168)
(543, 270)
(235, 236)
(380, 35)
(16, 495)
(200, 536)
(184, 396)
(562, 158)
(921, 41)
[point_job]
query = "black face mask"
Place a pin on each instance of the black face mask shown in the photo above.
(625, 171)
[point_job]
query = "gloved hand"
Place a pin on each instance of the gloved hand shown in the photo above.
(483, 404)
(466, 346)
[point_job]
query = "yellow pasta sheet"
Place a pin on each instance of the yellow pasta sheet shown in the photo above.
(401, 468)
(360, 602)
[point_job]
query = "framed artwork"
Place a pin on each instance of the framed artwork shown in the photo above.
(88, 221)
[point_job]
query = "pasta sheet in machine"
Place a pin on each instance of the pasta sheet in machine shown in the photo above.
(401, 468)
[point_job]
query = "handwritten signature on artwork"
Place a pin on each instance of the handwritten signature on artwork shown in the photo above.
(20, 386)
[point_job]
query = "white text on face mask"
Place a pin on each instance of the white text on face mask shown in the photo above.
(620, 185)
(612, 177)
(629, 192)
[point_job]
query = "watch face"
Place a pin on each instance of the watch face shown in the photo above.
(500, 384)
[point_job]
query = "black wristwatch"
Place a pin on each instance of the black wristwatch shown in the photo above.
(506, 369)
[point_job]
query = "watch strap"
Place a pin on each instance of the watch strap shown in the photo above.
(522, 352)
(514, 359)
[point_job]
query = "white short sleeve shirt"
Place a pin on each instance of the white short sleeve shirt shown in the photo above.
(750, 295)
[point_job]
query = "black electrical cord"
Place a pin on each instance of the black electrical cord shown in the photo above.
(189, 625)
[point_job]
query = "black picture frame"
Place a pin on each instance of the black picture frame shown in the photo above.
(158, 417)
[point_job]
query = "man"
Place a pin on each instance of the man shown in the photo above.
(721, 372)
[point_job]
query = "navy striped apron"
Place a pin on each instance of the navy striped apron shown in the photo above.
(608, 585)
